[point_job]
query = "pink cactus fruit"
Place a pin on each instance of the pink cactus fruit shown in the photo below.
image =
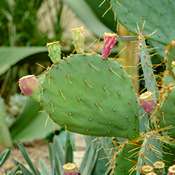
(147, 102)
(70, 169)
(171, 170)
(28, 84)
(110, 39)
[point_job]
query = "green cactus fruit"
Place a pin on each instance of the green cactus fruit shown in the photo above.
(88, 95)
(78, 35)
(157, 16)
(54, 50)
(167, 113)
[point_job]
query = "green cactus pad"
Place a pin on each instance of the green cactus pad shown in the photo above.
(126, 160)
(170, 60)
(167, 113)
(88, 95)
(158, 16)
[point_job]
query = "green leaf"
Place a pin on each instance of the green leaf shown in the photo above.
(68, 149)
(11, 55)
(43, 167)
(85, 13)
(4, 156)
(32, 123)
(90, 158)
(28, 160)
(24, 170)
(95, 160)
(102, 9)
(56, 166)
(64, 146)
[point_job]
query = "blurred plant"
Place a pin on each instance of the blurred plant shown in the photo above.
(26, 32)
(60, 151)
(5, 138)
(96, 15)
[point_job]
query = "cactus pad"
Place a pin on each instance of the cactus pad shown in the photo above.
(88, 95)
(167, 113)
(158, 17)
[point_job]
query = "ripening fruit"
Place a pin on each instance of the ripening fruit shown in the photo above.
(28, 84)
(110, 40)
(147, 102)
(171, 170)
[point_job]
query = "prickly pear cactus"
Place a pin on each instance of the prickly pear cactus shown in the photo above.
(153, 13)
(167, 113)
(126, 158)
(87, 95)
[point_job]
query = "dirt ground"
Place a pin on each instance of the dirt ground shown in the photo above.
(39, 150)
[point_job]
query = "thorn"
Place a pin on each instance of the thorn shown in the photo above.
(93, 66)
(111, 70)
(79, 99)
(88, 83)
(98, 106)
(68, 77)
(52, 107)
(61, 93)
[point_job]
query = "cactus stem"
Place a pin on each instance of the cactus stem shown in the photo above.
(115, 73)
(62, 95)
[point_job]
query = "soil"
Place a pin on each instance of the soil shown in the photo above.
(39, 150)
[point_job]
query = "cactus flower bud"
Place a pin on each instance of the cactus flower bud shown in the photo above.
(146, 169)
(70, 169)
(28, 84)
(171, 170)
(54, 50)
(173, 64)
(110, 40)
(78, 39)
(147, 102)
(159, 167)
(152, 173)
